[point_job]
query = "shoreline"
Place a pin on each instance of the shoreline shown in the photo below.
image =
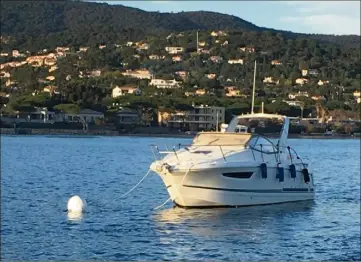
(97, 133)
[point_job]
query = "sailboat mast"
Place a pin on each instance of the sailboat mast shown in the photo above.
(254, 86)
(197, 43)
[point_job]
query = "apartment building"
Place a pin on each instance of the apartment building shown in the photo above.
(201, 118)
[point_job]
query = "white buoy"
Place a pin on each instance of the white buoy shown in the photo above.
(75, 205)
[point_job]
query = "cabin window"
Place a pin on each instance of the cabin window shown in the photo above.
(243, 175)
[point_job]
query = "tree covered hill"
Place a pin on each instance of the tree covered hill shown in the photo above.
(46, 24)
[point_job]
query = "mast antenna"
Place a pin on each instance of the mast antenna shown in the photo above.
(254, 86)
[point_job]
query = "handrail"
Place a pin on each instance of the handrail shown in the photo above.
(264, 152)
(276, 148)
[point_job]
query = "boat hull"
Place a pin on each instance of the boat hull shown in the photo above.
(210, 188)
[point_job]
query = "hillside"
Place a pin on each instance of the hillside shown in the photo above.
(46, 24)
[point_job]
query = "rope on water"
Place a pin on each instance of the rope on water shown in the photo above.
(134, 187)
(163, 204)
(181, 183)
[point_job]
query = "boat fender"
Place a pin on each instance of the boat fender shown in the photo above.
(293, 170)
(280, 173)
(264, 170)
(306, 175)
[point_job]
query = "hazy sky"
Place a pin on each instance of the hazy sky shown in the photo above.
(323, 17)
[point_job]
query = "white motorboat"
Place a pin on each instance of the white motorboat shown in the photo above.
(236, 167)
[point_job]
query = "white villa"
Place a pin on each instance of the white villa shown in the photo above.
(160, 83)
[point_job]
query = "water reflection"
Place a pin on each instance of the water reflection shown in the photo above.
(246, 221)
(75, 216)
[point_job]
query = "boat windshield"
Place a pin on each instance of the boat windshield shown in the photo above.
(221, 139)
(260, 126)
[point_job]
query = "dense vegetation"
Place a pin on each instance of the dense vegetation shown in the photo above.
(35, 24)
(74, 24)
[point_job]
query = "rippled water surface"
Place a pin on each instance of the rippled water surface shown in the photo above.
(39, 174)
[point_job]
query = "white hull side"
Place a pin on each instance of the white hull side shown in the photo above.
(209, 188)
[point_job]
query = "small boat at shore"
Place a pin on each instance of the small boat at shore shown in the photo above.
(237, 167)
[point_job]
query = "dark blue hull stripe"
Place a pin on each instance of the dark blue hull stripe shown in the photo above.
(284, 190)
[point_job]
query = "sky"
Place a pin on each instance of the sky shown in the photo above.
(319, 17)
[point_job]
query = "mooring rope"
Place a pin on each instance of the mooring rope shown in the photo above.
(163, 203)
(134, 187)
(181, 183)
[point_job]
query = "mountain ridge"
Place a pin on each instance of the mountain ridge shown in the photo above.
(81, 22)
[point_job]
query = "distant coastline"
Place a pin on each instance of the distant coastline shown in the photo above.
(94, 133)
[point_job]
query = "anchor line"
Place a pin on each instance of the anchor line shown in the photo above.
(134, 187)
(163, 203)
(185, 175)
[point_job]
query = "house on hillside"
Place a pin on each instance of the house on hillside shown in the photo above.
(216, 59)
(90, 73)
(176, 58)
(35, 61)
(160, 83)
(50, 60)
(182, 74)
(140, 74)
(174, 50)
(83, 49)
(12, 64)
(318, 98)
(232, 91)
(52, 68)
(211, 76)
(313, 72)
(142, 46)
(299, 94)
(304, 72)
(40, 115)
(201, 43)
(10, 83)
(276, 62)
(16, 53)
(127, 116)
(200, 92)
(357, 96)
(247, 49)
(51, 89)
(270, 80)
(235, 61)
(4, 74)
(301, 81)
(61, 49)
(204, 51)
(123, 90)
(323, 82)
(156, 57)
(50, 78)
(218, 33)
(291, 102)
(86, 115)
(224, 43)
